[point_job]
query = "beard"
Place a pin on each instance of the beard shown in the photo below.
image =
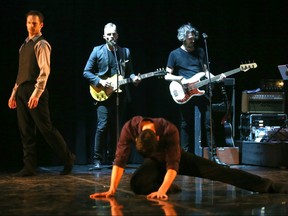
(189, 46)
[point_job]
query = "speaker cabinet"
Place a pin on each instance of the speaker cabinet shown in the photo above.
(263, 102)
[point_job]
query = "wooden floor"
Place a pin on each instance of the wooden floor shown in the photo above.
(48, 193)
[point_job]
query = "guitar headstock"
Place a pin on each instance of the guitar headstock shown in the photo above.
(246, 67)
(160, 72)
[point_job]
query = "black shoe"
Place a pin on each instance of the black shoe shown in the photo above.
(68, 166)
(95, 166)
(24, 173)
(218, 161)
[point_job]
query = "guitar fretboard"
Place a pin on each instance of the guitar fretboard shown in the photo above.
(142, 76)
(147, 75)
(215, 78)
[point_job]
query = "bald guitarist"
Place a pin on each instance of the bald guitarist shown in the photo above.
(108, 60)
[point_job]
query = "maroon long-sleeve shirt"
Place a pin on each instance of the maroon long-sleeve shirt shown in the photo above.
(168, 147)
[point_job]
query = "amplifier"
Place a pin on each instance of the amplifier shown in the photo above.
(269, 85)
(263, 102)
(253, 127)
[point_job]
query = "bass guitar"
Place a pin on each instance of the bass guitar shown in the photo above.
(100, 93)
(183, 91)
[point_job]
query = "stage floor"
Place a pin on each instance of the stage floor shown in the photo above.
(48, 193)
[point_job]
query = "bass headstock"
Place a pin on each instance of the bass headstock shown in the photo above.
(246, 67)
(160, 72)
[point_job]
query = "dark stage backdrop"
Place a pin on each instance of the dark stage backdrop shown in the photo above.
(238, 31)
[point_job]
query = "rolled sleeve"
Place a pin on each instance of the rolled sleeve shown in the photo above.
(42, 52)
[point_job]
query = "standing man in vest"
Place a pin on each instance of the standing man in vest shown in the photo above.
(31, 98)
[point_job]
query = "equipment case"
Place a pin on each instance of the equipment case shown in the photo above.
(253, 127)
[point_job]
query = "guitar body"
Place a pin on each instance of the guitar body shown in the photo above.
(226, 121)
(100, 93)
(228, 134)
(103, 93)
(182, 93)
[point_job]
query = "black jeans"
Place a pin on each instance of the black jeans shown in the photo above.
(149, 176)
(187, 123)
(106, 127)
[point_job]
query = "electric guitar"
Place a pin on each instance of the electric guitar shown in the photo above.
(100, 93)
(182, 92)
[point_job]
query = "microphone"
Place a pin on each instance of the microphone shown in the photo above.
(111, 43)
(204, 35)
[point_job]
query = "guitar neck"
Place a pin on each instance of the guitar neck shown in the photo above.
(147, 75)
(215, 78)
(142, 76)
(125, 81)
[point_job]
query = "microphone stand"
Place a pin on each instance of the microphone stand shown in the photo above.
(205, 36)
(119, 72)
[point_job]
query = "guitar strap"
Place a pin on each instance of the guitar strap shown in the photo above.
(201, 60)
(122, 55)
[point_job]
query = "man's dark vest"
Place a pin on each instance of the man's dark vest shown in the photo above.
(28, 66)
